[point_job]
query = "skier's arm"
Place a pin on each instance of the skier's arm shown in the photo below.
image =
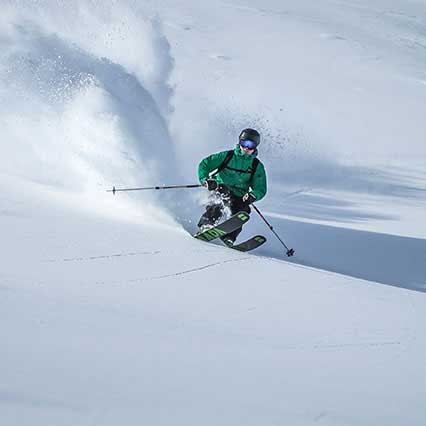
(259, 185)
(210, 163)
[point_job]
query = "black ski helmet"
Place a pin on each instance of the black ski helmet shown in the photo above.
(250, 134)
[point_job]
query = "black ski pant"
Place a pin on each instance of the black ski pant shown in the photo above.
(222, 197)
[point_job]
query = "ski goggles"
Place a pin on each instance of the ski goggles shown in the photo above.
(247, 143)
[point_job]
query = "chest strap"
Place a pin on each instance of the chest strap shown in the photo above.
(227, 159)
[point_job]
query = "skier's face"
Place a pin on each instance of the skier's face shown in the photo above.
(247, 146)
(246, 150)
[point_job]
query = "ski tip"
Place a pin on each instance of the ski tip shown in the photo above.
(251, 244)
(260, 238)
(244, 216)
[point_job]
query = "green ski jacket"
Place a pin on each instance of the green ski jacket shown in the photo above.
(237, 173)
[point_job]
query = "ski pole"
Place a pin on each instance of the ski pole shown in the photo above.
(114, 189)
(290, 252)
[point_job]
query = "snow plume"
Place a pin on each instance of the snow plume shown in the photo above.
(336, 92)
(84, 98)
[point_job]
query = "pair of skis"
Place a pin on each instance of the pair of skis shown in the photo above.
(230, 225)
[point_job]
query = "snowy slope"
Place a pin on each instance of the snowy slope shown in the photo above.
(111, 313)
(105, 322)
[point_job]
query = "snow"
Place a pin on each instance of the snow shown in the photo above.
(110, 312)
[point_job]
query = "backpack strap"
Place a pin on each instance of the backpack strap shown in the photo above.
(253, 168)
(225, 162)
(227, 159)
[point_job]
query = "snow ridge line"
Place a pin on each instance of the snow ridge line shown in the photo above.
(177, 274)
(188, 271)
(333, 346)
(107, 256)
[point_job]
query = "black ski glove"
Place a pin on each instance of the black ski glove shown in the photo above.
(211, 184)
(249, 198)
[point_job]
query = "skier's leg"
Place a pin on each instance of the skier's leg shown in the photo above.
(236, 205)
(211, 215)
(214, 210)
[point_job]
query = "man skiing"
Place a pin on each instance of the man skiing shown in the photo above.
(236, 178)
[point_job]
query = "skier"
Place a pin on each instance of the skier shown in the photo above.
(236, 178)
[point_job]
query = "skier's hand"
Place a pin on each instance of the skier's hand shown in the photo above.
(210, 184)
(249, 198)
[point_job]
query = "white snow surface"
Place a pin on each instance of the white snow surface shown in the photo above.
(111, 313)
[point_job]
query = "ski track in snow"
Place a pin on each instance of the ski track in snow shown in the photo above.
(101, 257)
(179, 273)
(329, 346)
(125, 254)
